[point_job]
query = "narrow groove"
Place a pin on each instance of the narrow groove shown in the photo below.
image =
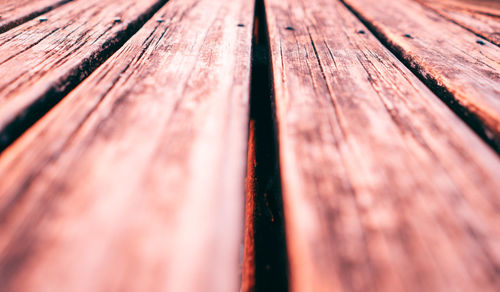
(18, 21)
(471, 119)
(478, 34)
(265, 256)
(29, 47)
(61, 88)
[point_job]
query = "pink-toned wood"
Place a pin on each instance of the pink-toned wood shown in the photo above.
(41, 60)
(486, 7)
(135, 181)
(480, 17)
(15, 12)
(384, 188)
(444, 54)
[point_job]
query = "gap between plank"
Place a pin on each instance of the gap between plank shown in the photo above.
(18, 21)
(444, 16)
(472, 120)
(265, 264)
(62, 88)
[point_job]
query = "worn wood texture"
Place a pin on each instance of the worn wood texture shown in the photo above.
(40, 61)
(486, 7)
(447, 56)
(384, 188)
(481, 18)
(135, 181)
(15, 12)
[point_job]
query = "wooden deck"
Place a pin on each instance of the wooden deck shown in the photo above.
(267, 145)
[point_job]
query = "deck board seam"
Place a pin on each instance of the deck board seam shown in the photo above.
(440, 90)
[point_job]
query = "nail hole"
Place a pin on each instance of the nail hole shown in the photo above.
(408, 36)
(289, 28)
(160, 20)
(43, 19)
(361, 31)
(117, 20)
(480, 42)
(241, 25)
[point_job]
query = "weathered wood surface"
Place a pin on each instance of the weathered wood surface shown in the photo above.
(15, 12)
(481, 18)
(446, 55)
(40, 61)
(486, 7)
(384, 188)
(135, 181)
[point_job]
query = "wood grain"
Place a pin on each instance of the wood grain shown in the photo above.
(482, 19)
(41, 61)
(487, 7)
(447, 56)
(384, 188)
(135, 181)
(15, 12)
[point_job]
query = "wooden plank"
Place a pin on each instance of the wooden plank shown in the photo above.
(135, 181)
(487, 7)
(482, 18)
(15, 12)
(445, 55)
(40, 61)
(384, 188)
